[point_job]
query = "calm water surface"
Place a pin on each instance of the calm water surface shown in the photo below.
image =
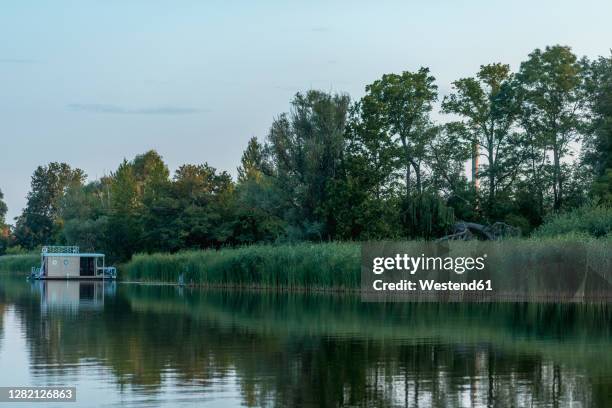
(132, 345)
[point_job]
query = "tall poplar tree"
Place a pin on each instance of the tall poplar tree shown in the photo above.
(402, 103)
(4, 230)
(553, 104)
(599, 142)
(488, 108)
(306, 147)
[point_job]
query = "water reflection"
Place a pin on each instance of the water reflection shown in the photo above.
(159, 345)
(72, 296)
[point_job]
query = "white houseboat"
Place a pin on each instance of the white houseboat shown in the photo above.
(66, 262)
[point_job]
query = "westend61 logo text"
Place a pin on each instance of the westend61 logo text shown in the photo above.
(404, 262)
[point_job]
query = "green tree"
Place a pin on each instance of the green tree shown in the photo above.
(400, 106)
(598, 145)
(4, 229)
(447, 154)
(40, 222)
(365, 197)
(150, 173)
(305, 148)
(257, 199)
(84, 211)
(3, 209)
(489, 110)
(132, 210)
(551, 84)
(403, 104)
(531, 188)
(145, 213)
(253, 162)
(206, 202)
(158, 209)
(124, 225)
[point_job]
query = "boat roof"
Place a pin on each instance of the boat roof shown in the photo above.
(80, 254)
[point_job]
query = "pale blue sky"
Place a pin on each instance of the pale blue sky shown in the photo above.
(92, 82)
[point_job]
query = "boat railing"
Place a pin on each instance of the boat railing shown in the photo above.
(108, 272)
(56, 249)
(36, 272)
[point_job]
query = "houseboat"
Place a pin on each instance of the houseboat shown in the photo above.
(67, 262)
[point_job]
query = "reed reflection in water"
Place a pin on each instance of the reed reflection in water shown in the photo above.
(136, 345)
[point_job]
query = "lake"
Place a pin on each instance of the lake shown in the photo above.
(148, 346)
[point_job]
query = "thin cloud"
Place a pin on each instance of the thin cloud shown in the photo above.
(119, 110)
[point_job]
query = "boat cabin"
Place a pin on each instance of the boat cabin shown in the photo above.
(66, 262)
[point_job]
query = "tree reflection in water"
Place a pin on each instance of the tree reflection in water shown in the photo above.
(298, 349)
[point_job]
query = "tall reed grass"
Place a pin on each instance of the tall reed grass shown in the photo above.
(337, 266)
(306, 265)
(19, 263)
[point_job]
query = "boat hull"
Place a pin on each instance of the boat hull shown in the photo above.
(83, 278)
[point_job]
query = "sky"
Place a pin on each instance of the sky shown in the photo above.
(90, 83)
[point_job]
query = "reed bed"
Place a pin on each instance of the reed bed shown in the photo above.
(336, 266)
(306, 265)
(19, 263)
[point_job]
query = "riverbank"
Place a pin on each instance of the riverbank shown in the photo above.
(337, 266)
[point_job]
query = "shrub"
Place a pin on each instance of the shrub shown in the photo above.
(595, 221)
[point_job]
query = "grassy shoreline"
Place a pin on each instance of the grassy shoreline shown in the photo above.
(330, 267)
(336, 267)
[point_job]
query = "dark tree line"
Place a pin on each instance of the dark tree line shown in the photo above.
(538, 141)
(4, 228)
